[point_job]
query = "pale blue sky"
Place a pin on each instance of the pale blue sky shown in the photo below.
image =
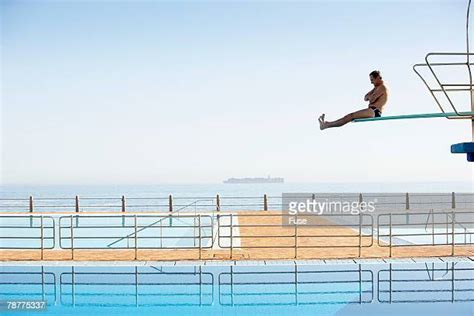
(188, 92)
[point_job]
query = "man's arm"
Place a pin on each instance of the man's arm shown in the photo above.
(367, 96)
(377, 93)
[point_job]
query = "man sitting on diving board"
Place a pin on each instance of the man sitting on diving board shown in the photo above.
(377, 97)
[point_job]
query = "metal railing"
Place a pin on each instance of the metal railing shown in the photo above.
(170, 204)
(135, 288)
(447, 87)
(394, 230)
(296, 287)
(39, 285)
(289, 232)
(430, 285)
(160, 221)
(95, 232)
(34, 232)
(239, 232)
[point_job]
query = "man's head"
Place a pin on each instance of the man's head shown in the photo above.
(375, 78)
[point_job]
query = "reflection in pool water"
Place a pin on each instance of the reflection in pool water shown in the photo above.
(342, 289)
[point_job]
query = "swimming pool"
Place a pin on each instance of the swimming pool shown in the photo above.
(370, 287)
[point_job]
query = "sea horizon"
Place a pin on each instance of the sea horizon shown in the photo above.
(211, 189)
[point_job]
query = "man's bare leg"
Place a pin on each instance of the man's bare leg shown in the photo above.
(365, 113)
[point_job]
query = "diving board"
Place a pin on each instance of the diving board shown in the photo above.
(417, 116)
(464, 148)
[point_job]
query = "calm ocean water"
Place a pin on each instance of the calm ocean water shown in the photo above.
(210, 190)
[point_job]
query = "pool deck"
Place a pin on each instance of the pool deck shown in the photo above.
(238, 254)
(244, 263)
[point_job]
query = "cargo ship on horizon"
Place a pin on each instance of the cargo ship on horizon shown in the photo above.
(255, 180)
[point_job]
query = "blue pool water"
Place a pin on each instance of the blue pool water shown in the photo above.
(432, 288)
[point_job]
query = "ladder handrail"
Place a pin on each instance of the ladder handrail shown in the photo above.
(156, 222)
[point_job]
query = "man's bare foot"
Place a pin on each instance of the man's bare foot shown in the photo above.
(322, 123)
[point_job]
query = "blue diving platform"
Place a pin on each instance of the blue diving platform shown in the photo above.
(464, 148)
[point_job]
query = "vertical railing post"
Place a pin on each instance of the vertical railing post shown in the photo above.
(453, 288)
(265, 202)
(360, 234)
(453, 200)
(452, 232)
(43, 290)
(231, 236)
(296, 284)
(170, 203)
(200, 286)
(390, 236)
(123, 211)
(170, 209)
(77, 204)
(390, 284)
(231, 285)
(31, 204)
(447, 228)
(360, 198)
(77, 210)
(72, 238)
(407, 207)
(218, 203)
(31, 211)
(296, 235)
(200, 245)
(161, 233)
(42, 237)
(360, 284)
(136, 286)
(73, 284)
(433, 227)
(194, 230)
(136, 247)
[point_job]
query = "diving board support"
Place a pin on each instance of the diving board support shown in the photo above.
(464, 148)
(472, 118)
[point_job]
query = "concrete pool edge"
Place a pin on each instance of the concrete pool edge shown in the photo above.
(241, 262)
